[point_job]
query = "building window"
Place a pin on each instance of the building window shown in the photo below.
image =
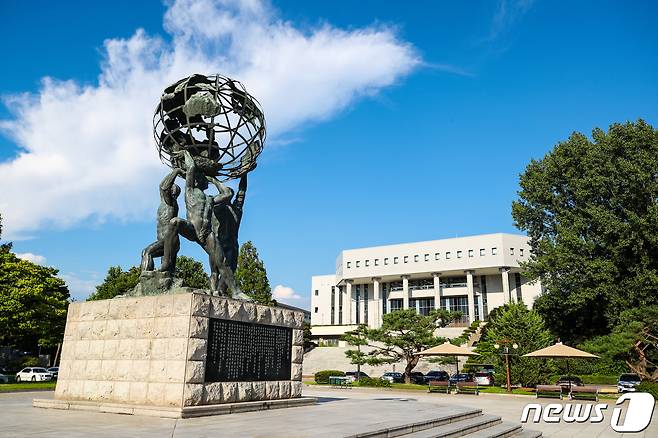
(365, 304)
(483, 293)
(427, 257)
(416, 258)
(333, 305)
(456, 304)
(316, 292)
(406, 259)
(396, 286)
(358, 302)
(521, 252)
(316, 310)
(340, 305)
(422, 284)
(396, 304)
(447, 282)
(459, 254)
(386, 260)
(494, 251)
(436, 256)
(422, 305)
(349, 264)
(384, 300)
(519, 295)
(448, 255)
(367, 263)
(511, 251)
(376, 262)
(470, 253)
(357, 263)
(482, 251)
(395, 260)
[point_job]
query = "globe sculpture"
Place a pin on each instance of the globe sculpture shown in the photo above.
(215, 119)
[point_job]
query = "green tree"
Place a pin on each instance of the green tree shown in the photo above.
(119, 282)
(633, 344)
(590, 209)
(33, 302)
(251, 275)
(192, 273)
(515, 324)
(402, 334)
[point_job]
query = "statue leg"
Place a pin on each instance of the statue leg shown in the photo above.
(170, 247)
(153, 250)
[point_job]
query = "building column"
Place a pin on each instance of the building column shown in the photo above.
(347, 305)
(471, 295)
(437, 289)
(376, 309)
(481, 300)
(362, 305)
(507, 298)
(405, 291)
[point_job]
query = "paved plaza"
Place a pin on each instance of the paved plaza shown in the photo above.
(340, 412)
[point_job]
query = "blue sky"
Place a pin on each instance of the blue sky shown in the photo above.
(427, 146)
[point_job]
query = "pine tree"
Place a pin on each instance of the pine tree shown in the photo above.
(251, 275)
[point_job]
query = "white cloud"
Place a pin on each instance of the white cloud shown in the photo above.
(34, 258)
(80, 288)
(87, 151)
(285, 293)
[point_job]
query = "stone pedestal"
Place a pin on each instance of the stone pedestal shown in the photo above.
(151, 352)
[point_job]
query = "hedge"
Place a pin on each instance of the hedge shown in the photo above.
(322, 377)
(650, 387)
(369, 381)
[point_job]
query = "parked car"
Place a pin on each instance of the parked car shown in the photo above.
(563, 381)
(484, 379)
(417, 377)
(4, 379)
(461, 377)
(33, 375)
(393, 377)
(351, 375)
(628, 382)
(434, 376)
(54, 371)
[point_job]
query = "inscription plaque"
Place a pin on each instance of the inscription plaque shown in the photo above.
(243, 351)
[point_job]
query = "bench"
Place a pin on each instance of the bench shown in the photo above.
(340, 382)
(467, 388)
(549, 391)
(438, 386)
(585, 393)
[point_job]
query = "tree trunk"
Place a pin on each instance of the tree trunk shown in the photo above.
(411, 364)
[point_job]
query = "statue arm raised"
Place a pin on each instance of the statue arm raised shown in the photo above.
(242, 192)
(166, 184)
(190, 170)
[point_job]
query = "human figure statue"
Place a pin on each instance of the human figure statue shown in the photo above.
(165, 229)
(226, 223)
(198, 226)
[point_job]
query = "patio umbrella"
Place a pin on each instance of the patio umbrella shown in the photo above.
(560, 350)
(447, 349)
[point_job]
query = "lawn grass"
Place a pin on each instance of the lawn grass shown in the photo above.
(27, 386)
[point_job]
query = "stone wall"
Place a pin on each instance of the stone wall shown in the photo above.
(151, 351)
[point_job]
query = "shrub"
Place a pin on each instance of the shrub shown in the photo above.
(369, 381)
(650, 387)
(322, 377)
(29, 361)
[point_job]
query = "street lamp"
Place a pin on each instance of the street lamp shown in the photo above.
(505, 348)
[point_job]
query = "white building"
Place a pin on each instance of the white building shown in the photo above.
(472, 274)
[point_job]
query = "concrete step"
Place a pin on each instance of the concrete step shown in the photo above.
(458, 428)
(501, 430)
(394, 430)
(528, 434)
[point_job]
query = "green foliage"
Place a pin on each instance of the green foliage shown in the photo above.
(29, 361)
(650, 387)
(33, 302)
(373, 382)
(192, 273)
(307, 335)
(514, 323)
(632, 345)
(402, 334)
(251, 275)
(117, 282)
(322, 377)
(589, 379)
(590, 209)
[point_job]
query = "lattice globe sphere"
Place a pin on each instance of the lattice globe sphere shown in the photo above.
(215, 119)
